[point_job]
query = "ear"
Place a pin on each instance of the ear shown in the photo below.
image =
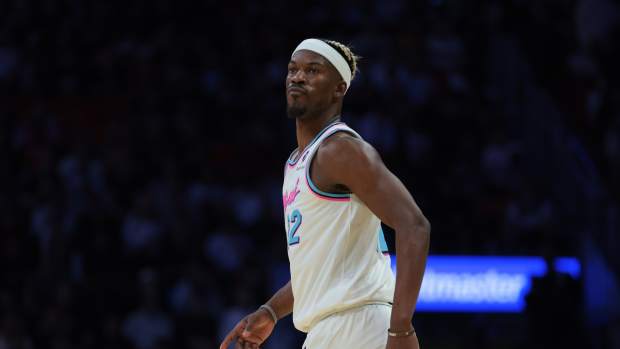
(341, 89)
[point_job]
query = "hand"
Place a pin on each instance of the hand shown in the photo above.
(410, 342)
(251, 331)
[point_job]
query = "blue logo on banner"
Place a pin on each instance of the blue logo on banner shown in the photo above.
(481, 283)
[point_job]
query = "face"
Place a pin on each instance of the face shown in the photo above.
(312, 85)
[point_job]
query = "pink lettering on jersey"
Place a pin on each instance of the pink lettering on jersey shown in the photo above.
(289, 197)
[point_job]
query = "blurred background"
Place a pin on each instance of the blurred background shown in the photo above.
(142, 146)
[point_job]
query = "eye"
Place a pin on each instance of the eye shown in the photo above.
(292, 70)
(313, 70)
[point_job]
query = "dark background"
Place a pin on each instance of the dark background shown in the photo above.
(142, 146)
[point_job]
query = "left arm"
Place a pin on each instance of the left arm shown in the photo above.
(353, 163)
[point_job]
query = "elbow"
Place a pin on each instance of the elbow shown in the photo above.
(423, 227)
(427, 225)
(417, 227)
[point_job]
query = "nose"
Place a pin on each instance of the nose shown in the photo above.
(298, 78)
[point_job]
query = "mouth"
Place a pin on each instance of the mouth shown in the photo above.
(296, 90)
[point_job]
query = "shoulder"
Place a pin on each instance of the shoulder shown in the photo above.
(342, 149)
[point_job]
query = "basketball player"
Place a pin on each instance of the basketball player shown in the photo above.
(336, 193)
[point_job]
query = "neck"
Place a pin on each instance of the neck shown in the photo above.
(307, 129)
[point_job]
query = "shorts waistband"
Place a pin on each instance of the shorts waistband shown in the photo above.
(347, 309)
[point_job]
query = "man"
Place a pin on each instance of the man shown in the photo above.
(336, 192)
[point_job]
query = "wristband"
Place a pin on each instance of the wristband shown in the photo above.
(402, 333)
(270, 311)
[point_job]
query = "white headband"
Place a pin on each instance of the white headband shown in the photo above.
(333, 56)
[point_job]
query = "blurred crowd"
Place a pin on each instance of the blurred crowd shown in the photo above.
(142, 146)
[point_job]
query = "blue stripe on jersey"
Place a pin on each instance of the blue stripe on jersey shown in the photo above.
(289, 160)
(322, 193)
(383, 247)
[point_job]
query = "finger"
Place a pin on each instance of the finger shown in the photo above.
(239, 344)
(252, 345)
(234, 333)
(226, 342)
(228, 339)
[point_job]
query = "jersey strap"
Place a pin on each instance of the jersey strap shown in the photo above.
(295, 155)
(338, 197)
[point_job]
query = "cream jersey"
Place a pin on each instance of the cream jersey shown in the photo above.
(336, 249)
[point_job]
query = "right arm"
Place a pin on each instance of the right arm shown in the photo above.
(254, 329)
(282, 301)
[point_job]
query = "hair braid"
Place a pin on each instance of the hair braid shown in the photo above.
(350, 57)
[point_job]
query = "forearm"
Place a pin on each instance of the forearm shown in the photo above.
(412, 244)
(282, 301)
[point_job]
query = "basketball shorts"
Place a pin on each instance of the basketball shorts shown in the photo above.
(363, 327)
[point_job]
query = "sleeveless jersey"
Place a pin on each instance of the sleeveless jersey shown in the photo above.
(336, 248)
